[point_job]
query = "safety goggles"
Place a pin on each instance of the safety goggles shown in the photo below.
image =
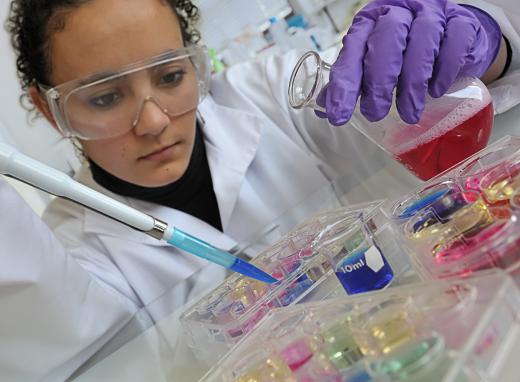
(109, 104)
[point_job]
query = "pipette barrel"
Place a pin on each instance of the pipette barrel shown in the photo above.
(206, 251)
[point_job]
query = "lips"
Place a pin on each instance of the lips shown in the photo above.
(159, 154)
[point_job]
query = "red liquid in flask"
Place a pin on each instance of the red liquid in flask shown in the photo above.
(447, 143)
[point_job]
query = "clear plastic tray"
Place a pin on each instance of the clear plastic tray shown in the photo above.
(221, 318)
(462, 330)
(467, 218)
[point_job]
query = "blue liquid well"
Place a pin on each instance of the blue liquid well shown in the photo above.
(424, 202)
(439, 212)
(361, 376)
(356, 276)
(295, 290)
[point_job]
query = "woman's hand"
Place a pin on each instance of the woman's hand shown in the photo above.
(416, 45)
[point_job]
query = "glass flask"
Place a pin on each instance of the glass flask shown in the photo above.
(452, 127)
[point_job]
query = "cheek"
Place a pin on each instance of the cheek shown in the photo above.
(108, 154)
(188, 123)
(123, 152)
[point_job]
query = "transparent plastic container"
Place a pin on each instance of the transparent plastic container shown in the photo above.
(222, 317)
(465, 219)
(452, 127)
(469, 238)
(439, 331)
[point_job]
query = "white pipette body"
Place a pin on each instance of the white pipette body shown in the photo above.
(37, 174)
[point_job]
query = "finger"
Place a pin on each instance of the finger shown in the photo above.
(320, 114)
(383, 61)
(424, 40)
(486, 40)
(320, 101)
(458, 39)
(347, 72)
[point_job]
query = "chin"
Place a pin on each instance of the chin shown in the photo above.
(160, 175)
(163, 180)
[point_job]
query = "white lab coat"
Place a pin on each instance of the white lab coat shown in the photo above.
(60, 305)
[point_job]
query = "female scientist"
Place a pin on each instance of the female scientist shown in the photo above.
(125, 80)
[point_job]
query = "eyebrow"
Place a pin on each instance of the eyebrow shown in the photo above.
(96, 77)
(105, 74)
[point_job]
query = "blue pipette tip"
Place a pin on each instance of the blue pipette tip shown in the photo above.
(250, 270)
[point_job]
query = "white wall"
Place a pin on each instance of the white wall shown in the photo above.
(223, 20)
(343, 11)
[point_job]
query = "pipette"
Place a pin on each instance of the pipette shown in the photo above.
(30, 171)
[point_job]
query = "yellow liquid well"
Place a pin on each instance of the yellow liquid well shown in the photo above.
(272, 369)
(466, 221)
(502, 190)
(387, 330)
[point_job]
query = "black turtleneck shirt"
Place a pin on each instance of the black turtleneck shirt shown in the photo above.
(192, 193)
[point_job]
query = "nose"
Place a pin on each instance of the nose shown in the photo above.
(151, 119)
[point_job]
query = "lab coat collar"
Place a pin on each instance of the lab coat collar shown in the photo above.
(231, 137)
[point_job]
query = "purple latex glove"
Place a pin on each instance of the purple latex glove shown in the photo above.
(416, 45)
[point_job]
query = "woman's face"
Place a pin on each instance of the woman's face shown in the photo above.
(105, 35)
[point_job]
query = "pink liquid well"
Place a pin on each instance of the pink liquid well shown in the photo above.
(473, 255)
(297, 354)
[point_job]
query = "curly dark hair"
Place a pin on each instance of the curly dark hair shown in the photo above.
(31, 23)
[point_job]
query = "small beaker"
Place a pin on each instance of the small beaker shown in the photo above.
(357, 260)
(452, 127)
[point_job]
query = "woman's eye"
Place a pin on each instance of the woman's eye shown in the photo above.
(172, 78)
(105, 100)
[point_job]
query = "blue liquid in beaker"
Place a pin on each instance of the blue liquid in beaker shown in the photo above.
(364, 270)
